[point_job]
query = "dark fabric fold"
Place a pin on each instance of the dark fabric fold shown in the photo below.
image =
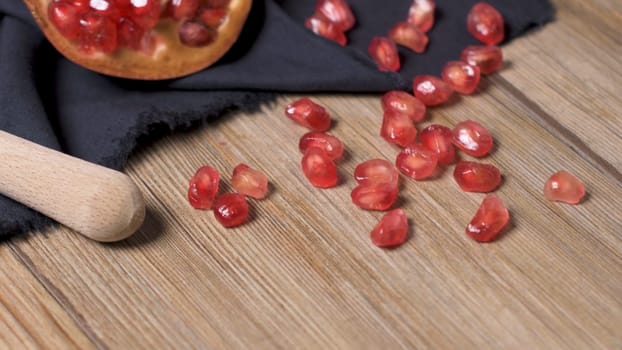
(50, 100)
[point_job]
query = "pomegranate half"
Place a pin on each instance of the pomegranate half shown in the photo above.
(142, 39)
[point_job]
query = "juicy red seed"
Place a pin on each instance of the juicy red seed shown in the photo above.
(392, 230)
(195, 34)
(405, 103)
(409, 36)
(331, 145)
(398, 129)
(438, 139)
(65, 17)
(417, 162)
(308, 114)
(321, 26)
(106, 8)
(97, 34)
(485, 23)
(338, 12)
(183, 9)
(203, 188)
(490, 219)
(376, 171)
(129, 34)
(431, 90)
(144, 13)
(477, 177)
(487, 58)
(564, 187)
(231, 209)
(375, 197)
(472, 138)
(421, 14)
(249, 182)
(384, 52)
(319, 168)
(212, 17)
(461, 77)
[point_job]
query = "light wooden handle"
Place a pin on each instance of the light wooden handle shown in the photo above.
(100, 203)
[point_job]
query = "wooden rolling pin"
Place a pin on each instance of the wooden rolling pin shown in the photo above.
(100, 203)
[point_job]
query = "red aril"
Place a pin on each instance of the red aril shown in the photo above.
(398, 129)
(212, 17)
(402, 102)
(421, 14)
(64, 15)
(375, 197)
(477, 177)
(392, 230)
(193, 33)
(319, 25)
(384, 52)
(249, 182)
(438, 139)
(486, 24)
(376, 171)
(337, 12)
(409, 36)
(327, 143)
(97, 34)
(564, 187)
(183, 9)
(487, 58)
(461, 77)
(431, 90)
(203, 187)
(417, 162)
(308, 114)
(472, 138)
(319, 168)
(491, 217)
(231, 209)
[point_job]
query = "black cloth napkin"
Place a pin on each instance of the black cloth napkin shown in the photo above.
(49, 100)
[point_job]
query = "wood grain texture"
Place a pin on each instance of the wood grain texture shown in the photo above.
(303, 273)
(30, 318)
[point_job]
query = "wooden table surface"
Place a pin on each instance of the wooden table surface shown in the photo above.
(303, 273)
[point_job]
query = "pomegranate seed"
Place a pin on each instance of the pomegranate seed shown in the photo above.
(485, 23)
(308, 114)
(437, 138)
(398, 129)
(375, 197)
(376, 171)
(321, 26)
(327, 143)
(564, 187)
(182, 9)
(417, 162)
(231, 209)
(97, 34)
(212, 17)
(487, 58)
(431, 90)
(384, 52)
(409, 36)
(421, 14)
(490, 219)
(392, 230)
(65, 17)
(249, 182)
(472, 138)
(477, 177)
(338, 12)
(129, 34)
(461, 77)
(144, 13)
(195, 34)
(319, 168)
(203, 188)
(404, 103)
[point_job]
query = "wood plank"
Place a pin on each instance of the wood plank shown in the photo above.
(304, 274)
(29, 317)
(573, 72)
